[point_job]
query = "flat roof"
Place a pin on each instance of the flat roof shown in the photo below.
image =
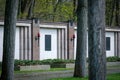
(56, 25)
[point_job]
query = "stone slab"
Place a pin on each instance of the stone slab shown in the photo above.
(34, 67)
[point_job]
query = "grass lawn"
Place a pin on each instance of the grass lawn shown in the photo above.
(109, 77)
(59, 69)
(114, 77)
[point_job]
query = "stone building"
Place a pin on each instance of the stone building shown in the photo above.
(37, 41)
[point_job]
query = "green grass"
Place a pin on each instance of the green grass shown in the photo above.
(70, 78)
(109, 77)
(59, 69)
(113, 76)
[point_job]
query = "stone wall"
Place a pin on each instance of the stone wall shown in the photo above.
(70, 40)
(35, 39)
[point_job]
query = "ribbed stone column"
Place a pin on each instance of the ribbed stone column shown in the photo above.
(35, 39)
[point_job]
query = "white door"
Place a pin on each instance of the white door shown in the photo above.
(109, 44)
(48, 44)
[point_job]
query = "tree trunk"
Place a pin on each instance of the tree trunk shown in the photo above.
(74, 9)
(112, 13)
(96, 40)
(80, 63)
(19, 8)
(117, 13)
(31, 10)
(9, 40)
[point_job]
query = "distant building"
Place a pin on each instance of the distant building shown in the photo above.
(38, 41)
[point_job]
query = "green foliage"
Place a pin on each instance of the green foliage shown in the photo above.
(112, 12)
(53, 10)
(37, 62)
(108, 11)
(56, 10)
(46, 10)
(2, 8)
(53, 62)
(113, 59)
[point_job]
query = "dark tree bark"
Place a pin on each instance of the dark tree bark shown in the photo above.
(25, 4)
(108, 11)
(74, 8)
(19, 8)
(117, 13)
(80, 63)
(9, 40)
(112, 12)
(25, 7)
(96, 40)
(31, 10)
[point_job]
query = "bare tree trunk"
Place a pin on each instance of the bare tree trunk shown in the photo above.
(74, 9)
(80, 63)
(31, 9)
(96, 34)
(112, 13)
(9, 40)
(117, 13)
(19, 8)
